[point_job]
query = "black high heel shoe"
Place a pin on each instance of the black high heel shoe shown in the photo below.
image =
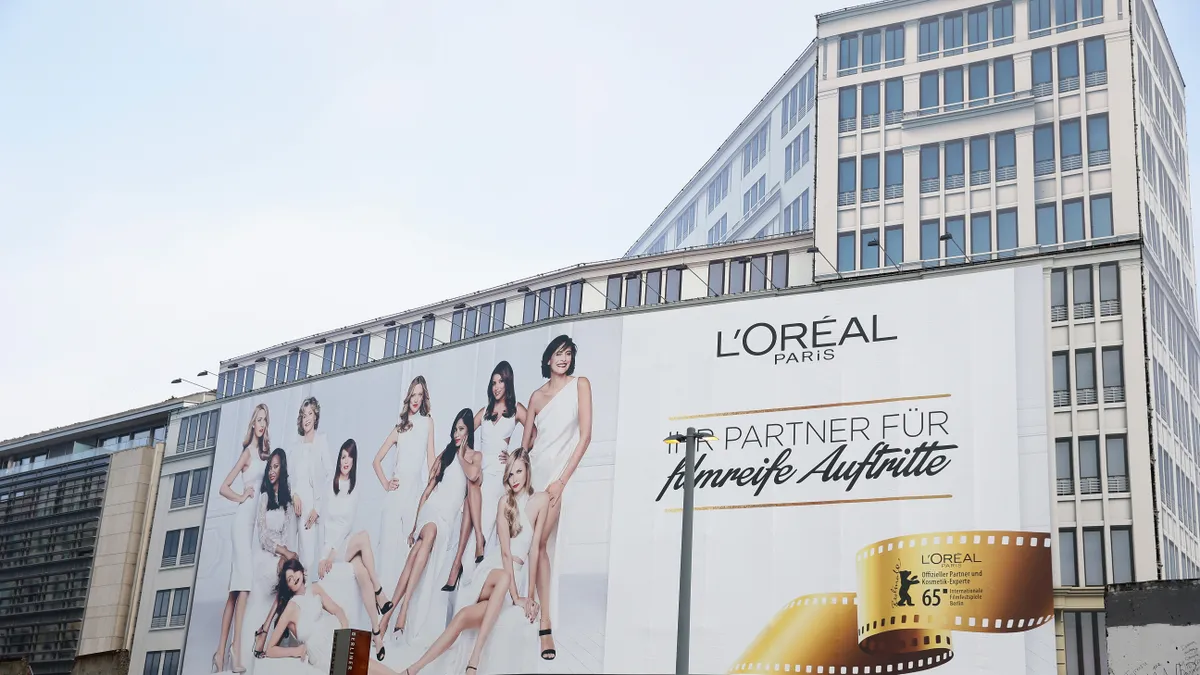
(387, 604)
(547, 654)
(479, 558)
(447, 588)
(382, 649)
(259, 653)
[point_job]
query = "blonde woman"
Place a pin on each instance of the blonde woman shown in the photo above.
(250, 465)
(311, 470)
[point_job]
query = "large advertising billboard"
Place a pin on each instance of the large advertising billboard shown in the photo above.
(876, 499)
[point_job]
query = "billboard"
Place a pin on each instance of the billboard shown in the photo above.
(876, 501)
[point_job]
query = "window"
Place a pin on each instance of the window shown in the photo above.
(893, 175)
(633, 290)
(893, 101)
(1081, 282)
(199, 486)
(791, 159)
(1058, 295)
(235, 381)
(952, 29)
(1043, 73)
(1118, 463)
(981, 160)
(1068, 67)
(952, 88)
(659, 245)
(1064, 467)
(1072, 218)
(869, 255)
(954, 165)
(755, 148)
(191, 537)
(871, 46)
(529, 314)
(804, 146)
(1071, 145)
(791, 216)
(1039, 18)
(1097, 137)
(894, 45)
(1110, 291)
(847, 109)
(1006, 232)
(716, 278)
(1095, 62)
(287, 368)
(930, 231)
(1002, 73)
(1093, 12)
(928, 40)
(758, 273)
(1085, 365)
(612, 292)
(980, 88)
(685, 222)
(544, 305)
(1084, 641)
(153, 659)
(1006, 156)
(162, 606)
(170, 662)
(395, 341)
(674, 284)
(653, 287)
(737, 276)
(716, 233)
(1002, 23)
(1122, 555)
(198, 432)
(718, 188)
(848, 54)
(1067, 558)
(845, 251)
(755, 195)
(179, 490)
(930, 178)
(1114, 375)
(179, 607)
(1062, 380)
(170, 556)
(893, 244)
(779, 270)
(929, 92)
(1093, 557)
(1043, 150)
(846, 181)
(352, 351)
(1064, 14)
(1089, 466)
(870, 178)
(981, 233)
(870, 105)
(956, 244)
(977, 28)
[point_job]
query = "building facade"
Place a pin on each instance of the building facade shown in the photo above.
(73, 528)
(758, 183)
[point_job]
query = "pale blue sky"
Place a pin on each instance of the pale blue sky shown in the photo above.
(185, 181)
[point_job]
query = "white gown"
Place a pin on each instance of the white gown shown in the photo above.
(557, 427)
(309, 476)
(339, 582)
(399, 506)
(241, 573)
(494, 438)
(315, 628)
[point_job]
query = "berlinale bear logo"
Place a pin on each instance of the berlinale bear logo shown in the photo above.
(905, 581)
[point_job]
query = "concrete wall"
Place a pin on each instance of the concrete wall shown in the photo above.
(120, 545)
(104, 663)
(1153, 628)
(14, 667)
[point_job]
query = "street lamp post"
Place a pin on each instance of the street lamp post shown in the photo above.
(683, 623)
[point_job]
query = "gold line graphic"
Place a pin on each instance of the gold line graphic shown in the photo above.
(815, 406)
(870, 500)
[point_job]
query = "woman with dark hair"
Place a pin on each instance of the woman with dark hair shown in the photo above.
(310, 474)
(276, 521)
(311, 615)
(558, 438)
(251, 464)
(348, 557)
(412, 436)
(495, 423)
(439, 505)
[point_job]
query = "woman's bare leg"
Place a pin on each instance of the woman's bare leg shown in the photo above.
(226, 621)
(495, 586)
(475, 506)
(239, 617)
(423, 547)
(401, 585)
(366, 587)
(464, 533)
(495, 603)
(359, 547)
(543, 580)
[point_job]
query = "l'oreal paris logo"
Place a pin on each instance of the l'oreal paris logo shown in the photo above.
(801, 341)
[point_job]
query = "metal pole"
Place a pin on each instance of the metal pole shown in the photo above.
(685, 558)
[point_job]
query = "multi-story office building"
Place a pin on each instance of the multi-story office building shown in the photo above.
(73, 528)
(758, 183)
(955, 132)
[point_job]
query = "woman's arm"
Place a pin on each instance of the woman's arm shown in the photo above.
(523, 414)
(506, 550)
(377, 464)
(585, 436)
(273, 649)
(538, 503)
(421, 504)
(530, 434)
(226, 489)
(479, 417)
(430, 452)
(470, 463)
(331, 606)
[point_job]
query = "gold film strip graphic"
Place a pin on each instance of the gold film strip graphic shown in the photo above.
(914, 593)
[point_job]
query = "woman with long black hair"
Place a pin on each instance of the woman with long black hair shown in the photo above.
(276, 522)
(309, 613)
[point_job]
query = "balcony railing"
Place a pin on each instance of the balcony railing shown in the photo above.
(1114, 394)
(169, 561)
(1058, 313)
(1043, 167)
(1062, 398)
(893, 63)
(974, 103)
(870, 194)
(1004, 173)
(1084, 310)
(893, 117)
(1118, 483)
(955, 182)
(870, 121)
(1066, 486)
(1110, 307)
(1068, 84)
(1089, 486)
(178, 502)
(158, 622)
(981, 177)
(1072, 162)
(1096, 79)
(930, 185)
(1042, 89)
(1097, 157)
(1085, 396)
(178, 620)
(187, 559)
(845, 126)
(845, 198)
(196, 498)
(893, 191)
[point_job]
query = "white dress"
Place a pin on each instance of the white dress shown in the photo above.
(338, 520)
(411, 469)
(241, 574)
(494, 438)
(276, 527)
(309, 476)
(315, 628)
(557, 427)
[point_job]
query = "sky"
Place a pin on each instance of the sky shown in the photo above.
(188, 181)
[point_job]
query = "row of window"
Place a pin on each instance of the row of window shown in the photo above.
(752, 273)
(1173, 405)
(287, 368)
(1086, 391)
(236, 380)
(1162, 63)
(553, 302)
(353, 351)
(1084, 643)
(1066, 15)
(1178, 492)
(1090, 570)
(408, 338)
(162, 663)
(936, 36)
(189, 488)
(1092, 466)
(1176, 563)
(170, 608)
(1158, 105)
(867, 168)
(180, 546)
(467, 322)
(1074, 224)
(798, 101)
(1173, 330)
(199, 431)
(1082, 284)
(1168, 261)
(796, 154)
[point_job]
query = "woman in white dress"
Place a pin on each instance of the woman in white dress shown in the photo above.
(521, 515)
(439, 505)
(310, 613)
(348, 558)
(495, 424)
(412, 437)
(276, 533)
(251, 463)
(310, 474)
(557, 440)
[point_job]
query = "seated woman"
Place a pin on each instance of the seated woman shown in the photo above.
(311, 616)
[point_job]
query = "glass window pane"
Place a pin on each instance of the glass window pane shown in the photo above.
(633, 291)
(895, 43)
(1093, 557)
(845, 252)
(498, 310)
(870, 99)
(1006, 231)
(575, 301)
(1002, 20)
(981, 233)
(758, 273)
(674, 284)
(1043, 69)
(954, 159)
(1006, 149)
(894, 168)
(1063, 466)
(930, 231)
(1114, 376)
(952, 88)
(979, 81)
(1043, 143)
(1122, 555)
(1070, 139)
(613, 293)
(1005, 79)
(1110, 283)
(870, 172)
(427, 334)
(716, 278)
(871, 45)
(929, 37)
(869, 255)
(977, 26)
(929, 90)
(544, 301)
(1089, 458)
(779, 270)
(1068, 60)
(1094, 56)
(1085, 369)
(1073, 220)
(956, 245)
(1066, 555)
(1058, 288)
(847, 103)
(894, 95)
(485, 319)
(846, 175)
(894, 244)
(1047, 225)
(653, 289)
(1097, 133)
(560, 300)
(981, 153)
(1114, 451)
(1061, 374)
(952, 31)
